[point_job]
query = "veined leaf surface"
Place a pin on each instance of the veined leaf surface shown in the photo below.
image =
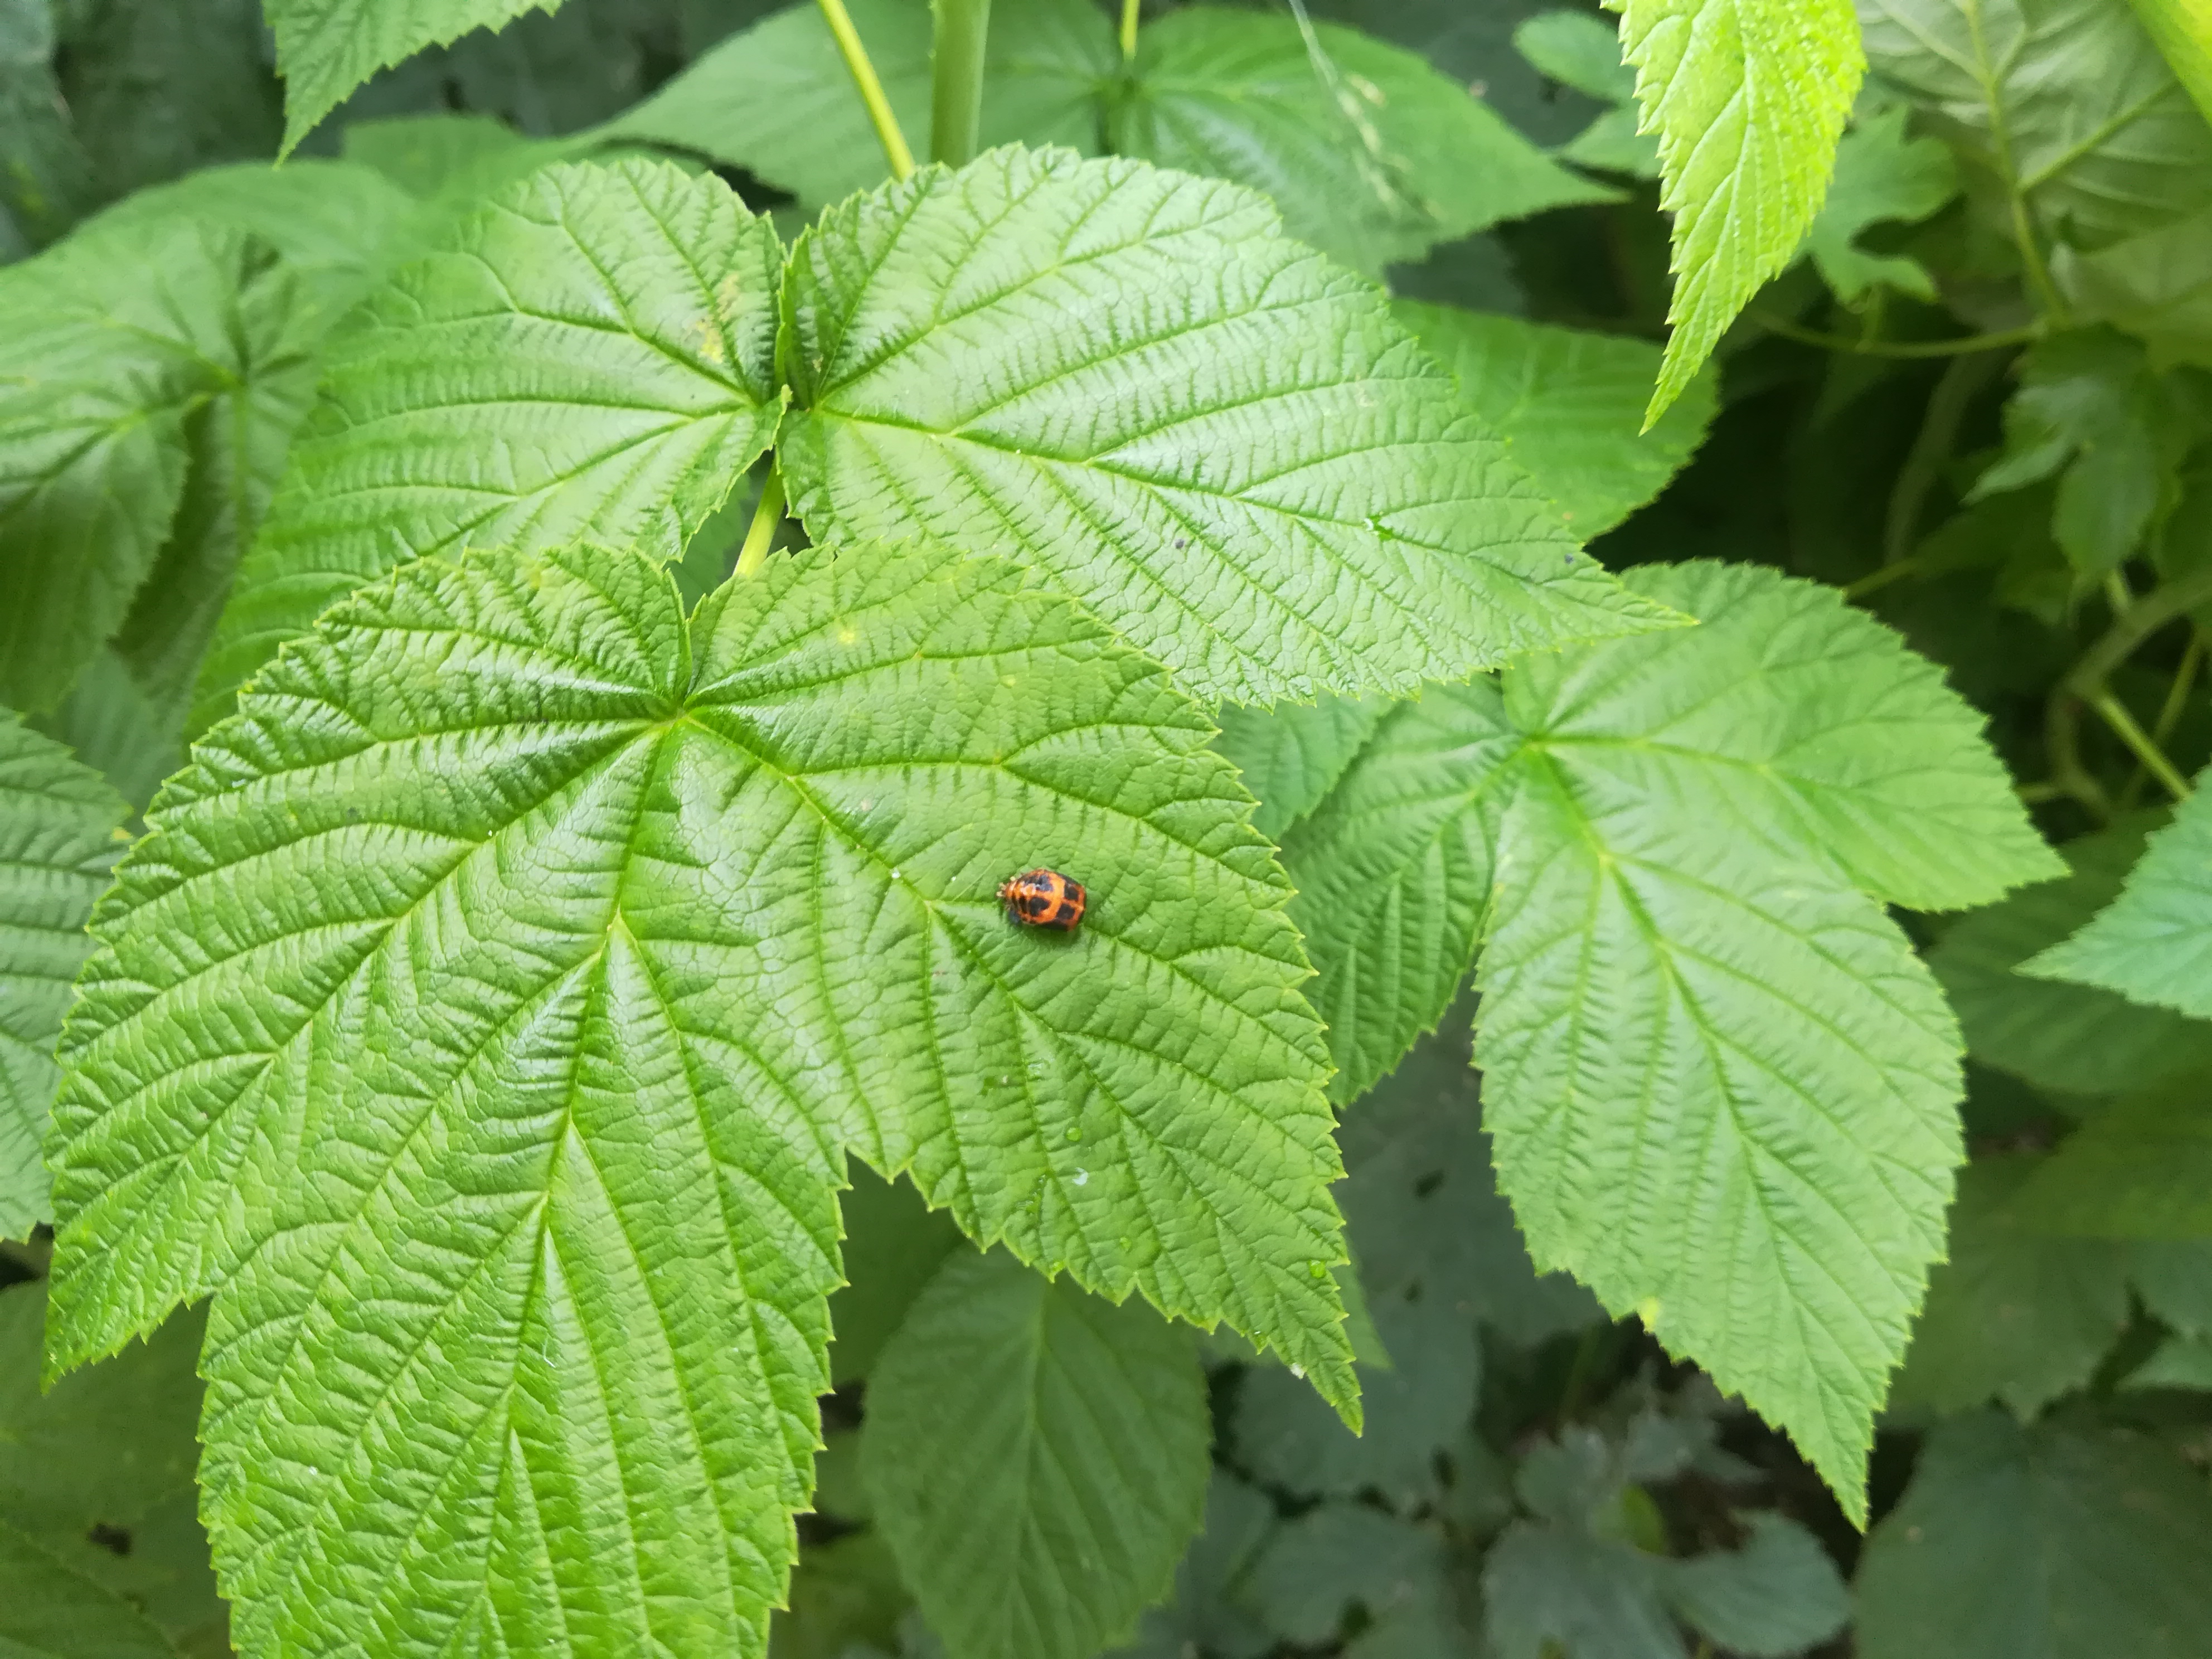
(486, 1020)
(1254, 474)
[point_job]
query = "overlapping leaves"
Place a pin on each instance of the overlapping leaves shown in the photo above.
(485, 1020)
(1719, 1079)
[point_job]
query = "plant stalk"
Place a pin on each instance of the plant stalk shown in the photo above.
(871, 88)
(956, 79)
(2087, 685)
(2169, 712)
(1130, 9)
(1956, 347)
(760, 534)
(2114, 713)
(1963, 376)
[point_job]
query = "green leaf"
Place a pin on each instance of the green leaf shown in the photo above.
(1422, 1209)
(325, 48)
(2062, 1540)
(1038, 1459)
(1571, 404)
(1780, 1594)
(1748, 98)
(1203, 1615)
(2179, 1362)
(1882, 177)
(1547, 1590)
(2157, 285)
(2185, 40)
(1256, 477)
(1291, 756)
(2092, 158)
(48, 1611)
(2153, 944)
(1373, 156)
(509, 884)
(2173, 1277)
(2140, 1168)
(778, 101)
(2077, 1039)
(588, 357)
(1315, 1567)
(46, 180)
(145, 397)
(1579, 51)
(1395, 870)
(894, 1244)
(132, 740)
(2090, 412)
(448, 158)
(2014, 1315)
(58, 842)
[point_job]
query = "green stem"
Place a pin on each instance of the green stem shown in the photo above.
(2115, 714)
(1953, 348)
(1963, 377)
(2061, 739)
(760, 534)
(2170, 711)
(872, 89)
(956, 79)
(1129, 29)
(2143, 618)
(1875, 580)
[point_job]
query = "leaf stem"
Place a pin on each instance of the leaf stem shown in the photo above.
(2115, 714)
(760, 534)
(1875, 580)
(1953, 347)
(872, 89)
(1963, 376)
(2087, 685)
(2141, 619)
(2169, 712)
(1129, 29)
(956, 79)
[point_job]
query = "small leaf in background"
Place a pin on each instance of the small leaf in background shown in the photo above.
(1372, 157)
(145, 394)
(504, 861)
(2013, 1314)
(1037, 1459)
(47, 183)
(1748, 98)
(778, 101)
(2076, 1039)
(1260, 478)
(96, 1477)
(1572, 403)
(1547, 1589)
(2090, 412)
(1291, 755)
(1882, 177)
(48, 1610)
(446, 158)
(588, 357)
(1778, 1595)
(2154, 943)
(1203, 1614)
(1581, 51)
(2140, 1168)
(2062, 1538)
(325, 48)
(59, 842)
(1315, 1568)
(2094, 158)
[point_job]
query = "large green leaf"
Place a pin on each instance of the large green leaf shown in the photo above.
(148, 383)
(2063, 1540)
(588, 356)
(1785, 718)
(58, 820)
(778, 101)
(325, 48)
(2011, 1315)
(1748, 98)
(487, 1017)
(1571, 404)
(1373, 156)
(1037, 1457)
(2077, 1039)
(2154, 943)
(2142, 1168)
(1255, 475)
(2092, 158)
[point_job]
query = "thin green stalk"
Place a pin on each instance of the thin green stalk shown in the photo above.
(1129, 9)
(2142, 619)
(1875, 580)
(2114, 713)
(1953, 348)
(956, 79)
(2170, 711)
(1963, 377)
(2118, 594)
(2062, 741)
(760, 534)
(872, 89)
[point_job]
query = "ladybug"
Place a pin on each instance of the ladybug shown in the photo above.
(1042, 898)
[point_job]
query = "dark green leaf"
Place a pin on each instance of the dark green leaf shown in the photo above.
(1291, 756)
(1778, 1595)
(1882, 177)
(1037, 1459)
(1315, 1569)
(2063, 1541)
(1203, 1614)
(46, 177)
(1581, 51)
(894, 1243)
(49, 1610)
(1595, 1598)
(2139, 1168)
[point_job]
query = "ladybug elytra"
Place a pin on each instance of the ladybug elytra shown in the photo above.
(1042, 898)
